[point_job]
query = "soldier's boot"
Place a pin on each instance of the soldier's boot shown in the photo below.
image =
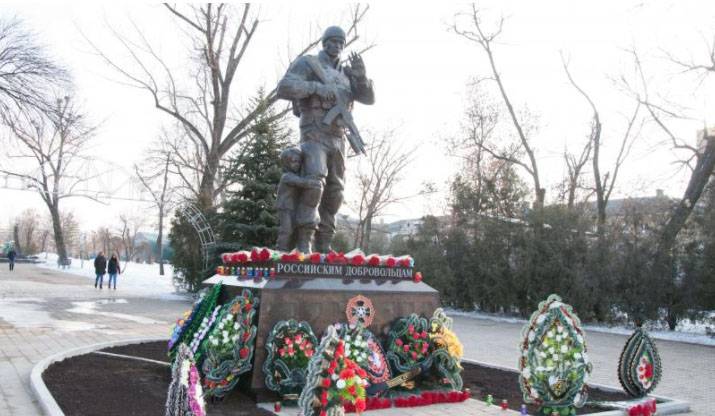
(322, 241)
(304, 235)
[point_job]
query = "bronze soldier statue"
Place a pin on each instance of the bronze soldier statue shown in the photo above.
(323, 91)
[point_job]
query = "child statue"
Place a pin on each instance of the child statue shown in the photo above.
(290, 188)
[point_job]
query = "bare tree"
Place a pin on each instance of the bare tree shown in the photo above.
(604, 184)
(575, 166)
(27, 74)
(699, 158)
(378, 177)
(46, 152)
(473, 31)
(220, 36)
(130, 225)
(28, 224)
(155, 179)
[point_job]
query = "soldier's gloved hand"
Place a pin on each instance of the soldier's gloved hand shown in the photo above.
(357, 66)
(327, 92)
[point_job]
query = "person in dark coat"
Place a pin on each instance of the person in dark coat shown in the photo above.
(100, 268)
(11, 258)
(113, 269)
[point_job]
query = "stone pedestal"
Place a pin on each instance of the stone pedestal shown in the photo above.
(322, 302)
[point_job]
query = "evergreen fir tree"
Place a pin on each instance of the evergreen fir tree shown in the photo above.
(249, 217)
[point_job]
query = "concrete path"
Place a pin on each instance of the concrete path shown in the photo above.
(43, 312)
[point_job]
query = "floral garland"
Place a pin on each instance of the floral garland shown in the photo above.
(554, 364)
(362, 347)
(354, 338)
(185, 396)
(200, 335)
(206, 306)
(443, 337)
(290, 346)
(356, 258)
(334, 381)
(182, 324)
(409, 342)
(412, 342)
(639, 367)
(230, 346)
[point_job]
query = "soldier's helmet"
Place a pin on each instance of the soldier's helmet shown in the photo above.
(333, 32)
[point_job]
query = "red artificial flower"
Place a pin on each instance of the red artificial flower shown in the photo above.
(324, 398)
(255, 255)
(411, 328)
(234, 258)
(351, 390)
(315, 258)
(335, 258)
(373, 261)
(398, 341)
(326, 383)
(347, 374)
(406, 348)
(418, 277)
(357, 260)
(241, 257)
(414, 355)
(340, 349)
(247, 307)
(424, 334)
(360, 405)
(405, 262)
(264, 255)
(361, 373)
(243, 352)
(648, 371)
(323, 413)
(293, 257)
(225, 258)
(390, 262)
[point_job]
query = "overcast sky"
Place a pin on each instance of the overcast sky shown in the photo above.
(421, 70)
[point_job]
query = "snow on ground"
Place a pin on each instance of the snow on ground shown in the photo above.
(687, 331)
(137, 279)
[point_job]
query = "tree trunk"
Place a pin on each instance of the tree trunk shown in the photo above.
(208, 184)
(698, 180)
(44, 241)
(160, 242)
(57, 229)
(16, 237)
(368, 230)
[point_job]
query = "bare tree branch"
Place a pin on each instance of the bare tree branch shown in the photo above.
(476, 33)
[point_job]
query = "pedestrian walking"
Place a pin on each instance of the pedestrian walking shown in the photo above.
(113, 269)
(11, 258)
(100, 268)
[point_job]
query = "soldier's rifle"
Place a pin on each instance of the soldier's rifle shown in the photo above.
(339, 109)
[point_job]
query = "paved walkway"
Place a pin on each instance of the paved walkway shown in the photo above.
(43, 312)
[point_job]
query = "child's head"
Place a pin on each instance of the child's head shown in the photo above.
(291, 159)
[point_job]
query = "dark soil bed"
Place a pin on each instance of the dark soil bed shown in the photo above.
(94, 384)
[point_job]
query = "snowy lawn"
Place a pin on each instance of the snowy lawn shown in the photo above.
(137, 279)
(687, 331)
